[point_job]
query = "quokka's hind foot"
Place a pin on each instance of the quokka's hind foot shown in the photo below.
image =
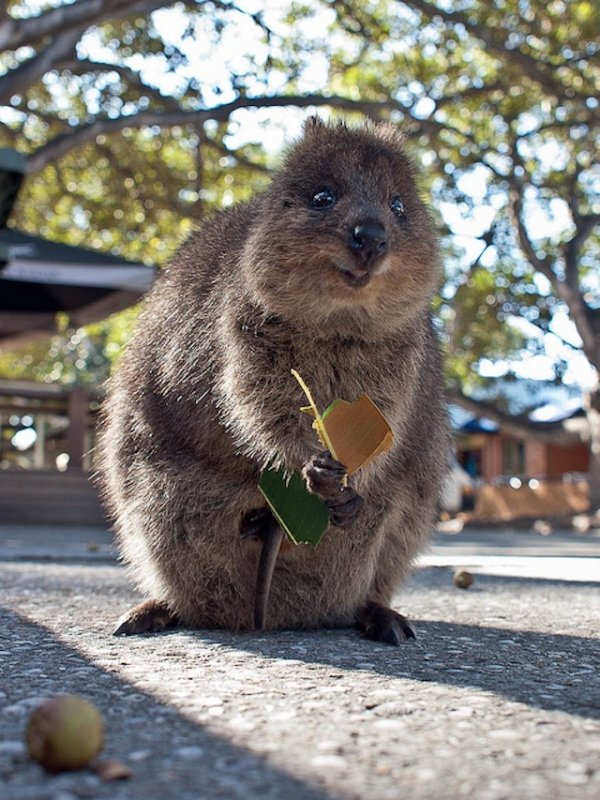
(382, 624)
(151, 616)
(257, 524)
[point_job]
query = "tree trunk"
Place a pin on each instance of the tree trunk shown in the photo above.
(593, 415)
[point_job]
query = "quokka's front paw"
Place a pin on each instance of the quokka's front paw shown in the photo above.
(345, 507)
(323, 476)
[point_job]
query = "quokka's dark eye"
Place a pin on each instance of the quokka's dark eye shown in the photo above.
(398, 207)
(324, 198)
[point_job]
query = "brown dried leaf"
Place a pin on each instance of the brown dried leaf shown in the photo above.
(111, 769)
(358, 432)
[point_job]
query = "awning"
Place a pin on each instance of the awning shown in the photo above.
(39, 278)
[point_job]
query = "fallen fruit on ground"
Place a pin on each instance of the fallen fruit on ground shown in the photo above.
(462, 579)
(64, 733)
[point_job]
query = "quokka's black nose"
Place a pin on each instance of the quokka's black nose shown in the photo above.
(369, 240)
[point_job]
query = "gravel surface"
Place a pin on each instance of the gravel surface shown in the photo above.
(499, 697)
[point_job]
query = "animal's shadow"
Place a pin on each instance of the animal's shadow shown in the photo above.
(35, 664)
(543, 670)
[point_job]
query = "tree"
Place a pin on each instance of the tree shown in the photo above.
(502, 99)
(130, 136)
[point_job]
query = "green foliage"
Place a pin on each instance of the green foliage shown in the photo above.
(499, 101)
(76, 356)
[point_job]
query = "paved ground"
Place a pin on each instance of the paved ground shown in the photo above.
(499, 697)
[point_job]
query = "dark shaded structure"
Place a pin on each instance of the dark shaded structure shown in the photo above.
(39, 279)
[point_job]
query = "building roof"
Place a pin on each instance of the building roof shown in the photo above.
(39, 278)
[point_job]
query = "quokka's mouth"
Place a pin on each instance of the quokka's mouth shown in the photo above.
(357, 279)
(355, 275)
(358, 275)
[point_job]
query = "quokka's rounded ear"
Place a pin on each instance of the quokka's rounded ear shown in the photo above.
(313, 124)
(390, 133)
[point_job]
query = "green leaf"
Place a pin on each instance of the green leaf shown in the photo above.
(302, 515)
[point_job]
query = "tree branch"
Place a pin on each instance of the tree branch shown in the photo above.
(584, 225)
(571, 295)
(225, 152)
(541, 73)
(466, 94)
(543, 265)
(63, 26)
(520, 425)
(82, 14)
(63, 143)
(81, 66)
(21, 78)
(79, 15)
(547, 331)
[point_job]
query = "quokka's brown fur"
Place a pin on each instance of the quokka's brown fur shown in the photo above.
(204, 398)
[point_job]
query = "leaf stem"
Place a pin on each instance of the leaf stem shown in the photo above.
(318, 418)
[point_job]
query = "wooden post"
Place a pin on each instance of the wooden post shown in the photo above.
(77, 409)
(39, 449)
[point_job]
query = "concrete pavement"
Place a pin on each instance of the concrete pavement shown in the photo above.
(498, 698)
